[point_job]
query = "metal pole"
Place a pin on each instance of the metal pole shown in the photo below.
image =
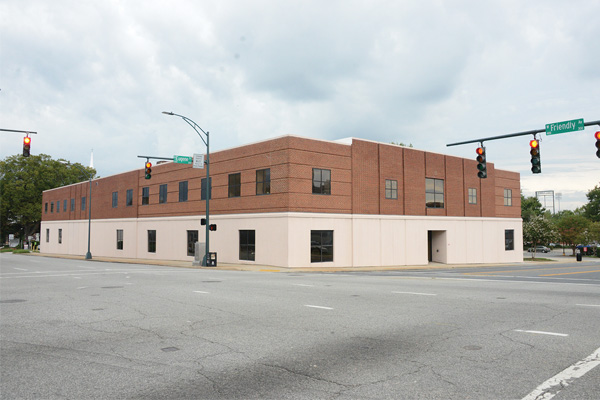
(208, 187)
(88, 255)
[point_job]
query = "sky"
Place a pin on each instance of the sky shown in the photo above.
(97, 75)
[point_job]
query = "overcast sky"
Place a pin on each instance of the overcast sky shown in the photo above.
(97, 74)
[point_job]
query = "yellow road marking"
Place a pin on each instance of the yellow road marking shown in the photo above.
(571, 273)
(268, 270)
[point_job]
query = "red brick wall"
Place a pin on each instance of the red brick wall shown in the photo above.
(358, 174)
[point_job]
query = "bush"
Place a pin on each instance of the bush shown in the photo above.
(6, 250)
(20, 251)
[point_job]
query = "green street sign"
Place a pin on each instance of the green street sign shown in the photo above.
(182, 159)
(565, 126)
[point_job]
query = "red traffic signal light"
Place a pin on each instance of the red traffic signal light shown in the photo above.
(534, 143)
(26, 146)
(148, 170)
(212, 227)
(482, 165)
(536, 162)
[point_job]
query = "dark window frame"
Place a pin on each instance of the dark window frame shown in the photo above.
(321, 246)
(321, 181)
(247, 248)
(434, 193)
(65, 205)
(472, 195)
(234, 187)
(46, 208)
(83, 203)
(509, 239)
(58, 206)
(391, 189)
(129, 198)
(508, 197)
(151, 241)
(47, 235)
(191, 243)
(183, 191)
(145, 195)
(119, 239)
(59, 235)
(162, 193)
(51, 207)
(115, 199)
(73, 204)
(263, 181)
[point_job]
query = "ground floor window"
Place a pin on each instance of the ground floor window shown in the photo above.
(47, 235)
(321, 246)
(192, 238)
(59, 236)
(152, 241)
(247, 245)
(509, 239)
(119, 239)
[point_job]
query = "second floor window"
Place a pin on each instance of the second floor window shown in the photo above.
(83, 204)
(235, 185)
(72, 204)
(391, 189)
(115, 199)
(472, 196)
(183, 191)
(162, 194)
(434, 193)
(129, 199)
(263, 181)
(508, 197)
(145, 195)
(321, 182)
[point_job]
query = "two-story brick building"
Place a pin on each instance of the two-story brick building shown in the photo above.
(298, 202)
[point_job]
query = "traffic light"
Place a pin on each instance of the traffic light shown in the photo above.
(203, 221)
(597, 136)
(536, 162)
(212, 227)
(26, 146)
(481, 166)
(148, 170)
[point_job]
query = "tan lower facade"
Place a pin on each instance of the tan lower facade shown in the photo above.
(284, 239)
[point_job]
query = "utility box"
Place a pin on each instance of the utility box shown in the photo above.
(212, 260)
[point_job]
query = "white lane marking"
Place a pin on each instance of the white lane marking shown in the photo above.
(321, 307)
(20, 269)
(302, 284)
(588, 305)
(418, 294)
(552, 386)
(543, 333)
(200, 291)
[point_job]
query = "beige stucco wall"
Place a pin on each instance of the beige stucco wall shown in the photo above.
(283, 239)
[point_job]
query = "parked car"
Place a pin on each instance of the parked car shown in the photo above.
(540, 249)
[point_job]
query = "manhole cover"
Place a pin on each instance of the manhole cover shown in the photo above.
(12, 301)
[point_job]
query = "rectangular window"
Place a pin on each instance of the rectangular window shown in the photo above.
(434, 193)
(183, 191)
(51, 206)
(46, 208)
(152, 241)
(203, 189)
(59, 236)
(509, 239)
(115, 199)
(65, 205)
(129, 200)
(508, 197)
(72, 204)
(192, 238)
(247, 245)
(83, 204)
(145, 195)
(321, 181)
(472, 196)
(162, 194)
(119, 239)
(235, 185)
(47, 235)
(263, 181)
(321, 246)
(58, 206)
(391, 189)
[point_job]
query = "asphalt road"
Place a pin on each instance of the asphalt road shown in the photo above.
(79, 330)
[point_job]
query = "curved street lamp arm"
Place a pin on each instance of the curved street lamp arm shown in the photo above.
(191, 123)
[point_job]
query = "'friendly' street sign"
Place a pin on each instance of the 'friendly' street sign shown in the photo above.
(182, 159)
(565, 126)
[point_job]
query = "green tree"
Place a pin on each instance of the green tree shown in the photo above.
(22, 181)
(531, 207)
(572, 229)
(539, 230)
(591, 210)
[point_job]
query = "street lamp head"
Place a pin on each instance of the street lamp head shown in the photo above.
(64, 162)
(168, 113)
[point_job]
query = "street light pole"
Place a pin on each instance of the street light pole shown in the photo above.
(88, 255)
(197, 127)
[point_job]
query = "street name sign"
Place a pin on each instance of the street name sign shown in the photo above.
(565, 126)
(198, 161)
(182, 159)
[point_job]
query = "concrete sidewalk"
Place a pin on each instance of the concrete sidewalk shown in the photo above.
(270, 268)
